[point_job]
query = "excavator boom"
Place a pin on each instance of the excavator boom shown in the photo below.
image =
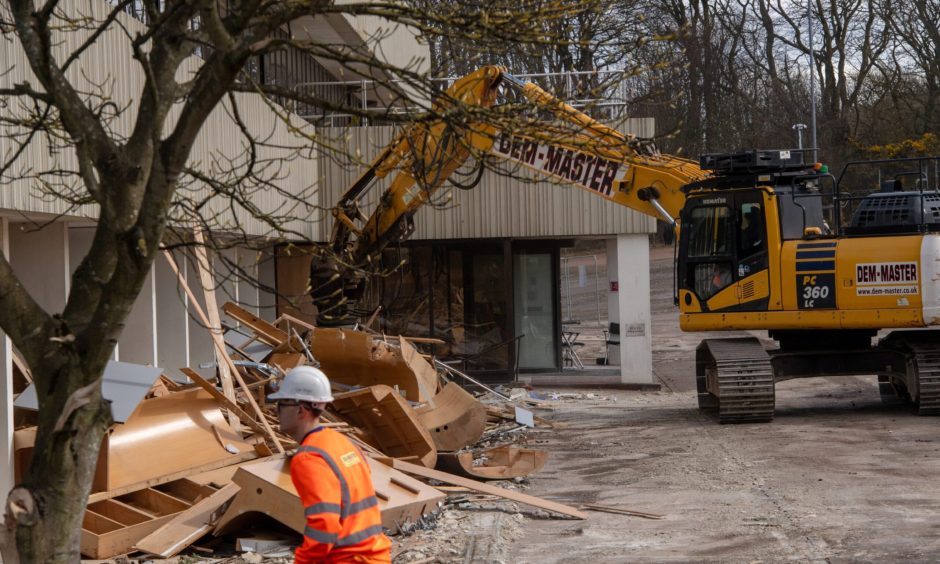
(569, 146)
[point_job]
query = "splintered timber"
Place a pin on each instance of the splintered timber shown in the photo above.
(587, 170)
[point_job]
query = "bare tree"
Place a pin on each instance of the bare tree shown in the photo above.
(192, 57)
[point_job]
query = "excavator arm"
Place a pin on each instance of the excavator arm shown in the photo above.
(567, 145)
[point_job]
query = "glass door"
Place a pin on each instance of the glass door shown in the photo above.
(534, 297)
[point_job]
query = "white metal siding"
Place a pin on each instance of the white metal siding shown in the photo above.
(109, 63)
(500, 206)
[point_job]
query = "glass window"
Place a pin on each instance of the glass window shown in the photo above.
(751, 235)
(710, 233)
(711, 278)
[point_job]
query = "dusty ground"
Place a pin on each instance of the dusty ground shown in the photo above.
(837, 477)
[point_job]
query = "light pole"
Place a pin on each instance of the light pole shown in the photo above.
(812, 75)
(799, 127)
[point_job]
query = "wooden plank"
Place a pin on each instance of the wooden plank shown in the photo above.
(235, 459)
(416, 470)
(22, 367)
(290, 319)
(266, 332)
(215, 322)
(220, 345)
(427, 340)
(210, 387)
(621, 511)
(186, 527)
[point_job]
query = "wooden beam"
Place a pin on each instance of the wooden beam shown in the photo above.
(427, 340)
(416, 470)
(21, 365)
(290, 319)
(266, 332)
(220, 346)
(215, 323)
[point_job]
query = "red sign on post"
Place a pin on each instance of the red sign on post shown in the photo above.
(614, 286)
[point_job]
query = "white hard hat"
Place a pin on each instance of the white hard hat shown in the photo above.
(304, 383)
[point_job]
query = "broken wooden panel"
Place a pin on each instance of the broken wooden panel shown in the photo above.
(388, 423)
(356, 358)
(455, 418)
(186, 429)
(425, 374)
(500, 463)
(266, 488)
(187, 526)
(113, 526)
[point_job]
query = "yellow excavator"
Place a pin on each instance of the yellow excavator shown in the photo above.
(766, 241)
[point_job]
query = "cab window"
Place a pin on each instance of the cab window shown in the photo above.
(752, 235)
(711, 240)
(710, 232)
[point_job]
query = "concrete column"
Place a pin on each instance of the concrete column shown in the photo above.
(628, 303)
(6, 394)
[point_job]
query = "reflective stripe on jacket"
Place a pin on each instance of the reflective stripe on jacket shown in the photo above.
(335, 486)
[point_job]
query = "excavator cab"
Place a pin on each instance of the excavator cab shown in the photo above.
(723, 241)
(734, 222)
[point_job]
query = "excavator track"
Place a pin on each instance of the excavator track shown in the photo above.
(925, 362)
(736, 376)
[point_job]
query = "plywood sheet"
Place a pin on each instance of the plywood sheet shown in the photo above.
(455, 420)
(356, 358)
(266, 488)
(388, 422)
(166, 435)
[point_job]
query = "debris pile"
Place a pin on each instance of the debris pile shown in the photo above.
(222, 467)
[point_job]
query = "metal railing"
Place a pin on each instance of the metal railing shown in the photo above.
(618, 88)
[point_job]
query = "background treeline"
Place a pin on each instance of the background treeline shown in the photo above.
(721, 75)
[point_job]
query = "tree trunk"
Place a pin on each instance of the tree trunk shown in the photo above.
(46, 509)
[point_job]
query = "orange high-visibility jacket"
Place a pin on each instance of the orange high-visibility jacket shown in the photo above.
(335, 486)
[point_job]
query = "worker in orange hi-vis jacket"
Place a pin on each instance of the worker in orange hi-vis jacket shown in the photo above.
(332, 477)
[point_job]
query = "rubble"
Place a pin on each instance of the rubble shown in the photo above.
(222, 463)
